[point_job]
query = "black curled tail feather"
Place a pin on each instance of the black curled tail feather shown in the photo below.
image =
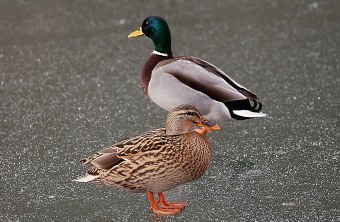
(244, 104)
(256, 106)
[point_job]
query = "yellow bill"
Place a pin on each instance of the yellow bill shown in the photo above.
(136, 33)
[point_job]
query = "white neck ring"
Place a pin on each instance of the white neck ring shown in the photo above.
(159, 53)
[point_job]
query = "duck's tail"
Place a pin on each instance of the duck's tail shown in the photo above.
(245, 109)
(86, 178)
(246, 114)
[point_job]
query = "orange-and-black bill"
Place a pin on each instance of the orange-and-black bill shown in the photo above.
(206, 126)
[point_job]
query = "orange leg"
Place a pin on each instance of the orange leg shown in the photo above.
(171, 205)
(160, 210)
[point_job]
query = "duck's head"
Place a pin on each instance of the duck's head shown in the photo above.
(186, 118)
(158, 30)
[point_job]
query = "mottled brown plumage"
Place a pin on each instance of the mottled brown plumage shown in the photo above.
(158, 160)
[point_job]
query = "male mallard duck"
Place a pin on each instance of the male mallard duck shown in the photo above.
(170, 81)
(158, 160)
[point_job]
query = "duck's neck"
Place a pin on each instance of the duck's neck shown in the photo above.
(145, 73)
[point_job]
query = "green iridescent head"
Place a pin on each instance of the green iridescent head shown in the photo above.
(158, 30)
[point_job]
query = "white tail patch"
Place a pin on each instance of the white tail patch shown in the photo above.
(250, 114)
(86, 178)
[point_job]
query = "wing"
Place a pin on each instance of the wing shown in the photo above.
(103, 159)
(128, 149)
(150, 141)
(205, 78)
(109, 157)
(100, 162)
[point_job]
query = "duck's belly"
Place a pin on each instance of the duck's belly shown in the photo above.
(156, 180)
(168, 93)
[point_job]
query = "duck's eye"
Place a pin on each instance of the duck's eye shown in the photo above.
(191, 113)
(195, 121)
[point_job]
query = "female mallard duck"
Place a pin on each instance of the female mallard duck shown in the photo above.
(170, 81)
(158, 160)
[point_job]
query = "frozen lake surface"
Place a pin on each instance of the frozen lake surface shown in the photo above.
(69, 86)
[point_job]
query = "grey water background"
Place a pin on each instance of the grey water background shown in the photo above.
(69, 86)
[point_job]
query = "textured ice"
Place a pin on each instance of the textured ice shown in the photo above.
(69, 86)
